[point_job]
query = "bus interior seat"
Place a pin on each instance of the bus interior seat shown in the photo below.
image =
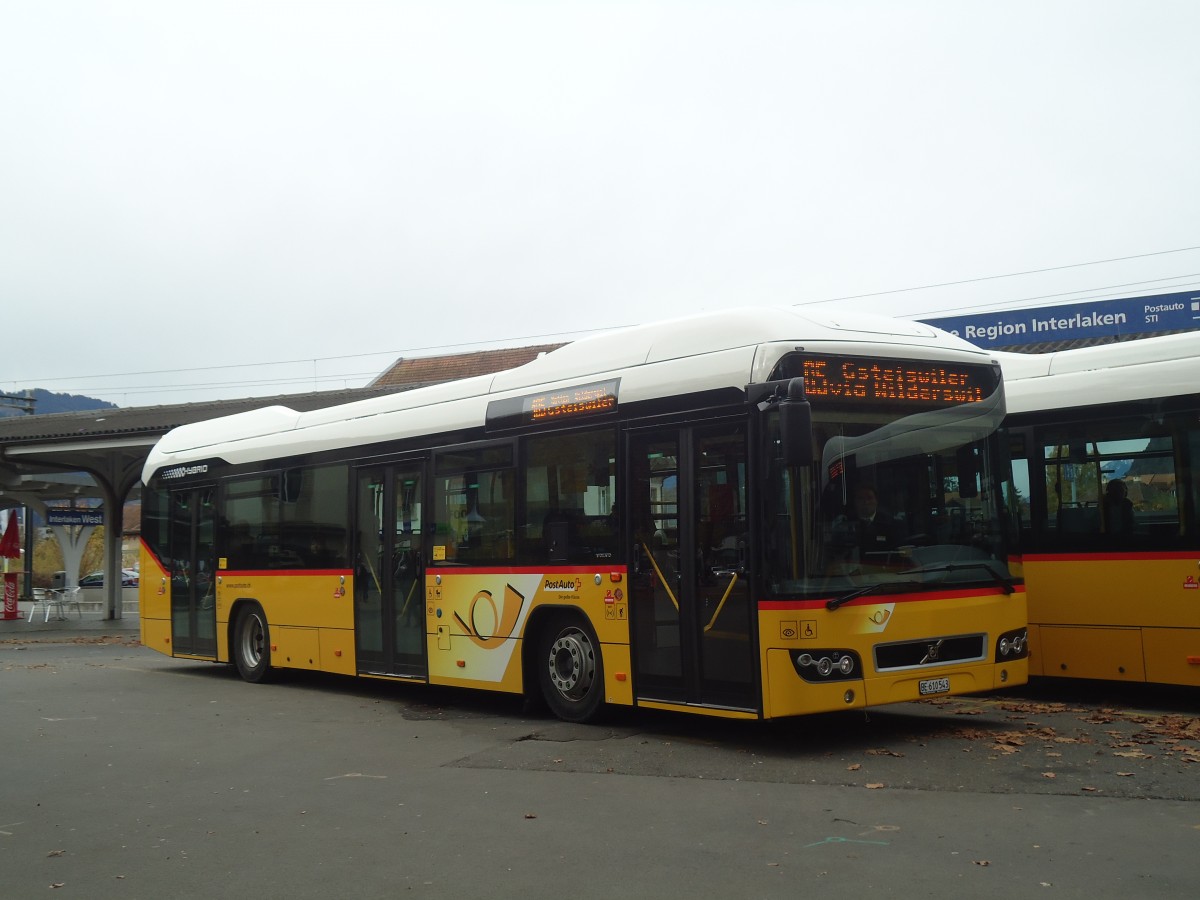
(1079, 520)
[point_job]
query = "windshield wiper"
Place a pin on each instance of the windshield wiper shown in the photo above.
(877, 587)
(958, 567)
(902, 586)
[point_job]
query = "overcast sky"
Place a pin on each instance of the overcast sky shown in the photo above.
(208, 200)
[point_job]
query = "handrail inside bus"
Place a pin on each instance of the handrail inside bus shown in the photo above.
(407, 600)
(371, 569)
(661, 577)
(717, 612)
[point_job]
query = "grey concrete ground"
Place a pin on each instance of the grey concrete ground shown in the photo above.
(131, 775)
(86, 617)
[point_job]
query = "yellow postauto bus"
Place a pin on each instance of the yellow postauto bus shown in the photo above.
(1105, 445)
(668, 516)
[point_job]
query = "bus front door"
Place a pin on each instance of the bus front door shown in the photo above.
(389, 599)
(192, 570)
(691, 613)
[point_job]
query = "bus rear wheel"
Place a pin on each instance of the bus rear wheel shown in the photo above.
(570, 670)
(251, 646)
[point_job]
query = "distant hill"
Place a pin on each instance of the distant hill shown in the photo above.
(46, 402)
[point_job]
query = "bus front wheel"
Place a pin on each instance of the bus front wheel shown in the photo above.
(570, 669)
(251, 647)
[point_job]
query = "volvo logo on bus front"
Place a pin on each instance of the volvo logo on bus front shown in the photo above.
(932, 651)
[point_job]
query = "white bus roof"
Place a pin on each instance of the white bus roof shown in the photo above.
(697, 353)
(1149, 368)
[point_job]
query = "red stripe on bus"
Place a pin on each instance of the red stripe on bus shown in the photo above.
(523, 570)
(870, 599)
(1126, 555)
(292, 573)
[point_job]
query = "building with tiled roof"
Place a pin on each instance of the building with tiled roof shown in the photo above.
(424, 370)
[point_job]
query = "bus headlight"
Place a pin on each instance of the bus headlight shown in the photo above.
(826, 665)
(1012, 645)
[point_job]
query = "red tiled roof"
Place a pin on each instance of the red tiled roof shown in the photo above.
(437, 369)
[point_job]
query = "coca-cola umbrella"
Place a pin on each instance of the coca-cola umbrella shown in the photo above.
(10, 544)
(10, 548)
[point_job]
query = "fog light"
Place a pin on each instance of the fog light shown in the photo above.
(821, 665)
(1012, 645)
(1003, 675)
(848, 696)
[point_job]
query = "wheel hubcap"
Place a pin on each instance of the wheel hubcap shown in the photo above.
(572, 664)
(252, 642)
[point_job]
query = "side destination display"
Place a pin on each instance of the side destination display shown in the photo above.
(582, 401)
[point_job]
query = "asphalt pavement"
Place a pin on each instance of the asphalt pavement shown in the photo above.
(132, 775)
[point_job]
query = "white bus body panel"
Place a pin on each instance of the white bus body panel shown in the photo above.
(1149, 368)
(699, 353)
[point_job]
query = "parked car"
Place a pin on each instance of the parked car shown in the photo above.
(129, 578)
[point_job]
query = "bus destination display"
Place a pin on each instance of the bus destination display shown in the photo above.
(573, 403)
(895, 380)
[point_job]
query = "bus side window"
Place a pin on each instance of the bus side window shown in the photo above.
(474, 505)
(1189, 488)
(570, 486)
(1017, 494)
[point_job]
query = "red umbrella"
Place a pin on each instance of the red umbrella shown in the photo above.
(10, 548)
(10, 544)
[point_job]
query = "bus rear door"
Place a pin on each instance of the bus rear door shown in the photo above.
(192, 571)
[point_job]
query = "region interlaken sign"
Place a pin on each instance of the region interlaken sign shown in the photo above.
(1074, 321)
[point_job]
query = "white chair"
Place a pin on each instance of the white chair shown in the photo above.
(40, 595)
(69, 597)
(56, 599)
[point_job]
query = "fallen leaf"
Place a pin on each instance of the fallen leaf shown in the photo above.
(982, 862)
(530, 816)
(853, 767)
(1049, 775)
(875, 785)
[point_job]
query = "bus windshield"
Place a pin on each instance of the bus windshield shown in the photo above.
(890, 504)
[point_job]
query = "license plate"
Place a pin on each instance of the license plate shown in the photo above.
(934, 686)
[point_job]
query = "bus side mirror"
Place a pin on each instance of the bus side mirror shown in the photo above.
(795, 426)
